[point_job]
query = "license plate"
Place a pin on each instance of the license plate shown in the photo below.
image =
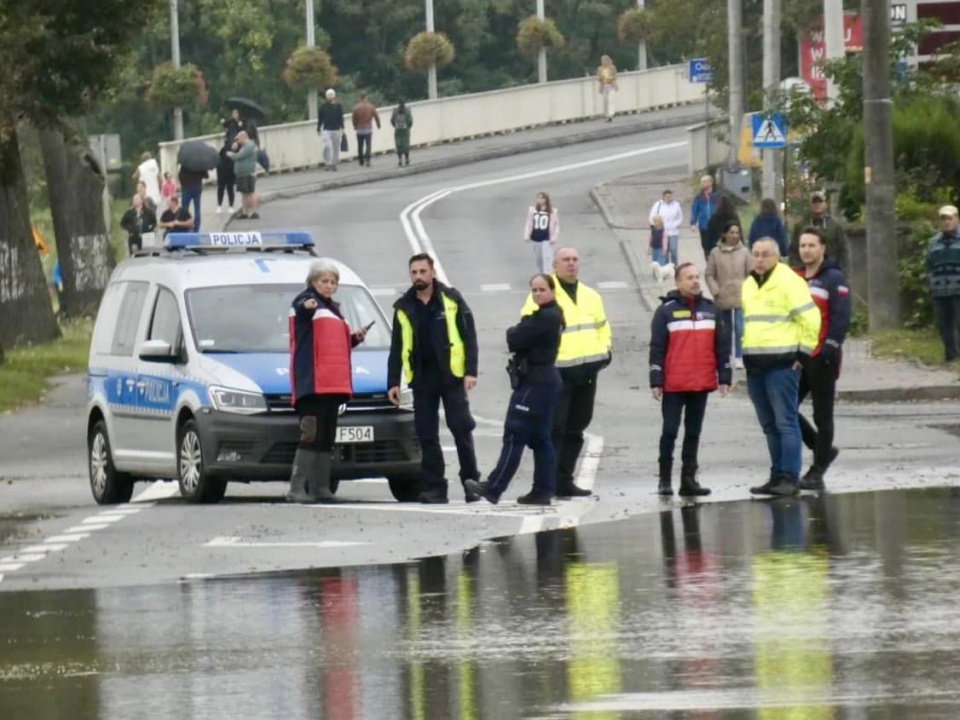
(353, 434)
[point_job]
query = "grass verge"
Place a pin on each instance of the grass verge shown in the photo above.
(923, 345)
(23, 377)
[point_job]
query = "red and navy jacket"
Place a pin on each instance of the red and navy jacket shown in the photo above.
(832, 296)
(320, 343)
(689, 346)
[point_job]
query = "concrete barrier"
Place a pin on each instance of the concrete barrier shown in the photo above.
(294, 146)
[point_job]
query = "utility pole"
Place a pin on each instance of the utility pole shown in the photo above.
(542, 59)
(735, 47)
(175, 59)
(833, 32)
(642, 48)
(883, 286)
(311, 42)
(432, 74)
(771, 82)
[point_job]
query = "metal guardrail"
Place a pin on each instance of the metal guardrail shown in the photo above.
(296, 145)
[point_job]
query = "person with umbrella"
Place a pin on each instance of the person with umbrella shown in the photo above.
(196, 159)
(249, 114)
(226, 177)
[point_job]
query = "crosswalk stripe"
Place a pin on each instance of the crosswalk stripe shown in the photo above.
(495, 287)
(612, 285)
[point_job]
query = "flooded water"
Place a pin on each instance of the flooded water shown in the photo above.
(835, 607)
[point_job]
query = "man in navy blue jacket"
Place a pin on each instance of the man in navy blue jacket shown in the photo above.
(689, 359)
(831, 294)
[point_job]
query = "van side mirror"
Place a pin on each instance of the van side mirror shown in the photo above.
(157, 351)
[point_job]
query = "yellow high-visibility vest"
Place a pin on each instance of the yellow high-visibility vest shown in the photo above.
(779, 317)
(587, 337)
(458, 353)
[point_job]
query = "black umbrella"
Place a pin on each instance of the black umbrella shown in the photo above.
(196, 155)
(248, 108)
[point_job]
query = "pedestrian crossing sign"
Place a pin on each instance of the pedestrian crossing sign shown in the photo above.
(769, 131)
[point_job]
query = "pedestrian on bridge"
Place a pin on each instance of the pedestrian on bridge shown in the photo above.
(607, 79)
(434, 350)
(586, 348)
(689, 359)
(536, 383)
(831, 294)
(330, 128)
(402, 121)
(245, 166)
(781, 330)
(543, 230)
(943, 275)
(364, 115)
(320, 380)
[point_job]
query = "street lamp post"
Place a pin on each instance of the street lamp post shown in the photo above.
(432, 73)
(771, 81)
(311, 42)
(542, 58)
(642, 48)
(735, 46)
(833, 39)
(175, 59)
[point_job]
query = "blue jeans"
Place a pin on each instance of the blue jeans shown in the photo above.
(775, 395)
(193, 196)
(657, 255)
(673, 243)
(734, 319)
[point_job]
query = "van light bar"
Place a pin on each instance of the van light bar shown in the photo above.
(226, 240)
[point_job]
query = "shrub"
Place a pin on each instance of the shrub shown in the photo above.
(310, 67)
(172, 87)
(916, 305)
(534, 34)
(633, 26)
(427, 49)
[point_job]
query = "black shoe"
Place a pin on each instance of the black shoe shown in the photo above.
(535, 497)
(400, 163)
(689, 487)
(572, 490)
(765, 488)
(784, 486)
(666, 479)
(255, 216)
(813, 480)
(434, 497)
(483, 490)
(361, 162)
(470, 497)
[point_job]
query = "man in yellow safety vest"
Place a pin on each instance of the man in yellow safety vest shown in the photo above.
(586, 348)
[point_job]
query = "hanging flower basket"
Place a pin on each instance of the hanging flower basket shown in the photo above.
(177, 87)
(427, 49)
(633, 26)
(534, 35)
(310, 67)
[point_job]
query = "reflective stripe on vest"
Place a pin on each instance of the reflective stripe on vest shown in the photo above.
(582, 341)
(458, 353)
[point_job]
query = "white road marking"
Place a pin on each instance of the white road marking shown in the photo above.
(612, 285)
(383, 292)
(67, 538)
(160, 490)
(496, 287)
(236, 542)
(593, 450)
(126, 510)
(101, 519)
(85, 528)
(10, 567)
(24, 557)
(47, 547)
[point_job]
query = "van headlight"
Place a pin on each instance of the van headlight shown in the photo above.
(238, 401)
(406, 399)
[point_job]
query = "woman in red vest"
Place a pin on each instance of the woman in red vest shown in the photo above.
(320, 380)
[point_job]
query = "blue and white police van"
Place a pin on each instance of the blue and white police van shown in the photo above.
(189, 374)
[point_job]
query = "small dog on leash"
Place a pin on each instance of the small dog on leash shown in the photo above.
(662, 273)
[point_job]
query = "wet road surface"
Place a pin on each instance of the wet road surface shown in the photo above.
(840, 606)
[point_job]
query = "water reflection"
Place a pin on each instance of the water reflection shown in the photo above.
(807, 608)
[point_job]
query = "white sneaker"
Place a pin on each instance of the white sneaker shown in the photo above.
(219, 209)
(738, 363)
(232, 210)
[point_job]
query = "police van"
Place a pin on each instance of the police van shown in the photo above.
(189, 374)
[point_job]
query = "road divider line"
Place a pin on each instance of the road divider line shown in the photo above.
(10, 567)
(67, 538)
(84, 528)
(101, 519)
(159, 490)
(47, 547)
(237, 542)
(24, 557)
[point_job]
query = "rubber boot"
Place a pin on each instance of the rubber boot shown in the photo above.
(666, 478)
(689, 487)
(300, 476)
(318, 487)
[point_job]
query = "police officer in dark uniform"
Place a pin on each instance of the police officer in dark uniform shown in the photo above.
(434, 347)
(535, 342)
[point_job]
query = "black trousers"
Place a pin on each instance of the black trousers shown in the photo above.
(226, 182)
(819, 381)
(691, 407)
(573, 416)
(947, 310)
(705, 244)
(427, 397)
(364, 140)
(318, 421)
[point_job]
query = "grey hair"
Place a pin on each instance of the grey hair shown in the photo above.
(774, 245)
(320, 268)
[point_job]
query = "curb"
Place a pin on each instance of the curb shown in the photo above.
(900, 395)
(479, 156)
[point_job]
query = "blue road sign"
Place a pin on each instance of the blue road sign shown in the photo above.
(769, 131)
(699, 71)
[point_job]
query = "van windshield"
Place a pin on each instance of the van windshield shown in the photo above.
(255, 318)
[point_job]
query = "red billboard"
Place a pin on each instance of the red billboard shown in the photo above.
(813, 51)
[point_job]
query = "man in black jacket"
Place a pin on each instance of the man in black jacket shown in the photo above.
(434, 349)
(330, 129)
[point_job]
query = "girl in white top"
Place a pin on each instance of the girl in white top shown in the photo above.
(542, 229)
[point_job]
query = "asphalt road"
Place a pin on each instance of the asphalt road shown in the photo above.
(472, 219)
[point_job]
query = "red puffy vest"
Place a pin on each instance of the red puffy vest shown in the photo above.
(330, 372)
(691, 363)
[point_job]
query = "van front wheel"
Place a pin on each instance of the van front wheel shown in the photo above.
(196, 485)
